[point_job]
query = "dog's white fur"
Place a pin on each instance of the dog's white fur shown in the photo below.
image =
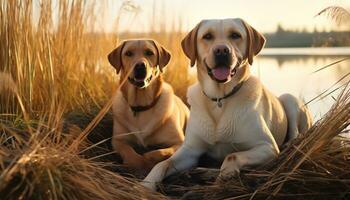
(250, 126)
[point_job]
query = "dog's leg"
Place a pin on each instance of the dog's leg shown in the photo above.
(299, 118)
(255, 156)
(259, 142)
(172, 136)
(160, 154)
(184, 158)
(130, 157)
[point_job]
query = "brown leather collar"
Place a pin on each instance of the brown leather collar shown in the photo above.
(138, 109)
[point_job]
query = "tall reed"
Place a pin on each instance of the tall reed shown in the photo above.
(51, 56)
(53, 60)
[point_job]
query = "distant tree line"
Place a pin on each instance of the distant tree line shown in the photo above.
(291, 38)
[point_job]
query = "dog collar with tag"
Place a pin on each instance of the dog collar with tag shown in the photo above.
(233, 91)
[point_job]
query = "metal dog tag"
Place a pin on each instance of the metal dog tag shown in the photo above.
(219, 103)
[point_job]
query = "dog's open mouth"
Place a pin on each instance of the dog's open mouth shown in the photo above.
(221, 74)
(140, 82)
(140, 77)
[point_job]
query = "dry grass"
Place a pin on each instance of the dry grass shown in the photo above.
(65, 63)
(338, 14)
(44, 166)
(58, 65)
(48, 69)
(53, 65)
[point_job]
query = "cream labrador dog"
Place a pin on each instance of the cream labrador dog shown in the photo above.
(146, 111)
(233, 117)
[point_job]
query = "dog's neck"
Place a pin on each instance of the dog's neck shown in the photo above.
(214, 89)
(142, 96)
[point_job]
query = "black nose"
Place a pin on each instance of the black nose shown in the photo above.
(222, 55)
(140, 66)
(140, 70)
(221, 50)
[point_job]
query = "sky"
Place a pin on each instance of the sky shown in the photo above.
(264, 15)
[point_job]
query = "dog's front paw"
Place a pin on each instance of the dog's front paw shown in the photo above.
(138, 162)
(229, 168)
(151, 156)
(149, 185)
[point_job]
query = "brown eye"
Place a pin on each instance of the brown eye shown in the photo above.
(128, 53)
(149, 53)
(235, 36)
(208, 36)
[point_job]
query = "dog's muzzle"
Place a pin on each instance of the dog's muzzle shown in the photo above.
(218, 73)
(140, 84)
(139, 80)
(140, 71)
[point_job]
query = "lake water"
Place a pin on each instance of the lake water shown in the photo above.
(290, 70)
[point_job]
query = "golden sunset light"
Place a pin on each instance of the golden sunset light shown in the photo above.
(174, 99)
(264, 15)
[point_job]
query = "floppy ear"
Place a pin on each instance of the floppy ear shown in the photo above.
(163, 55)
(115, 57)
(189, 44)
(255, 42)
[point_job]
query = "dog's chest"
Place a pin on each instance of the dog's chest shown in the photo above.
(138, 122)
(134, 125)
(217, 124)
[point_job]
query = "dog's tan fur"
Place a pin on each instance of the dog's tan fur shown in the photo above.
(163, 124)
(251, 125)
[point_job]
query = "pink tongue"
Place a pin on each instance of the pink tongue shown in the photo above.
(221, 73)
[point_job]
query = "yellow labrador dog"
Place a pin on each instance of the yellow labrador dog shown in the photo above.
(146, 111)
(233, 117)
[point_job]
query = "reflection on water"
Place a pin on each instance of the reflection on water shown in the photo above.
(293, 74)
(315, 51)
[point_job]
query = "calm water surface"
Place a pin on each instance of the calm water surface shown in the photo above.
(291, 70)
